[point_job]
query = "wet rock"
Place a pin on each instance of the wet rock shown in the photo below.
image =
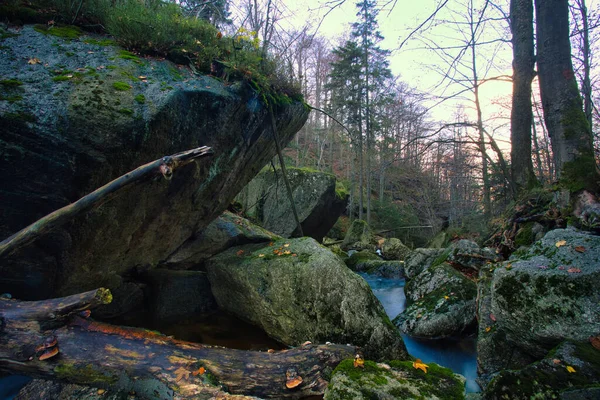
(385, 269)
(441, 303)
(468, 254)
(571, 371)
(394, 249)
(317, 202)
(68, 136)
(393, 380)
(419, 260)
(545, 295)
(302, 292)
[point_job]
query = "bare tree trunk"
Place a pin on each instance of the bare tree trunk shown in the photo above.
(566, 122)
(521, 24)
(536, 151)
(586, 84)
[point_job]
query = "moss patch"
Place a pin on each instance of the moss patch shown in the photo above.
(10, 83)
(140, 98)
(68, 32)
(121, 86)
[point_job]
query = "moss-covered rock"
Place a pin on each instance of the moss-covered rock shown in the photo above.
(266, 201)
(571, 371)
(419, 260)
(297, 290)
(393, 380)
(224, 232)
(358, 258)
(359, 237)
(468, 254)
(441, 303)
(546, 295)
(66, 138)
(394, 249)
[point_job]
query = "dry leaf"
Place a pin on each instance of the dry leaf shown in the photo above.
(359, 362)
(34, 61)
(561, 243)
(580, 249)
(446, 297)
(570, 369)
(488, 328)
(556, 361)
(492, 317)
(573, 270)
(270, 351)
(200, 371)
(287, 252)
(181, 373)
(286, 245)
(418, 364)
(595, 341)
(261, 255)
(101, 391)
(240, 252)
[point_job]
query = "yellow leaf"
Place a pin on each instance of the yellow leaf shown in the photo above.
(33, 61)
(446, 297)
(261, 255)
(286, 245)
(418, 364)
(489, 328)
(570, 369)
(359, 362)
(561, 243)
(287, 252)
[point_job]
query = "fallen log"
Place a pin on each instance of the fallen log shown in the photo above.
(164, 166)
(55, 339)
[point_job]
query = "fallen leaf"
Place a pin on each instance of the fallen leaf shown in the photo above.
(562, 268)
(270, 351)
(287, 252)
(570, 369)
(580, 249)
(556, 361)
(595, 341)
(573, 270)
(261, 255)
(270, 243)
(542, 267)
(446, 297)
(561, 243)
(418, 364)
(101, 391)
(34, 61)
(286, 245)
(294, 255)
(90, 52)
(488, 328)
(181, 373)
(359, 362)
(240, 252)
(200, 371)
(142, 77)
(492, 317)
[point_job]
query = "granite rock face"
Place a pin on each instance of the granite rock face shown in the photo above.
(86, 114)
(297, 290)
(318, 204)
(541, 297)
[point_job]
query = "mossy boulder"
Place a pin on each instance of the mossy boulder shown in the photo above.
(297, 290)
(394, 249)
(546, 295)
(359, 237)
(394, 380)
(266, 201)
(226, 231)
(441, 303)
(570, 371)
(357, 258)
(419, 260)
(67, 137)
(468, 254)
(383, 268)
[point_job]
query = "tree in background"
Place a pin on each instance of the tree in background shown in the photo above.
(214, 11)
(568, 128)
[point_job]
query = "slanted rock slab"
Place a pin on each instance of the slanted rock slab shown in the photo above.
(297, 290)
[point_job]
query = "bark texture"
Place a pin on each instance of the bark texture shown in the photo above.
(567, 126)
(521, 25)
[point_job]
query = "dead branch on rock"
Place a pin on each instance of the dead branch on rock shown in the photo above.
(54, 339)
(164, 166)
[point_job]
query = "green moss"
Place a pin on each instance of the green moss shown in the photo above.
(82, 374)
(126, 111)
(61, 78)
(140, 98)
(68, 32)
(580, 173)
(574, 120)
(127, 55)
(104, 42)
(442, 257)
(525, 235)
(11, 99)
(10, 83)
(360, 257)
(121, 86)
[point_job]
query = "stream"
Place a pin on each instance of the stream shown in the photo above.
(459, 354)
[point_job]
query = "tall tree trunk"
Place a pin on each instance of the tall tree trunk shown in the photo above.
(568, 128)
(536, 151)
(521, 26)
(586, 84)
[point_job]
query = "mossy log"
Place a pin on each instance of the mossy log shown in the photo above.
(55, 339)
(164, 166)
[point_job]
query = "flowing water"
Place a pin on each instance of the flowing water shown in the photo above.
(458, 354)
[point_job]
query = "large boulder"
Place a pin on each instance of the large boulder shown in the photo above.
(266, 201)
(226, 231)
(441, 303)
(394, 380)
(297, 290)
(359, 237)
(569, 372)
(543, 296)
(394, 249)
(419, 260)
(82, 117)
